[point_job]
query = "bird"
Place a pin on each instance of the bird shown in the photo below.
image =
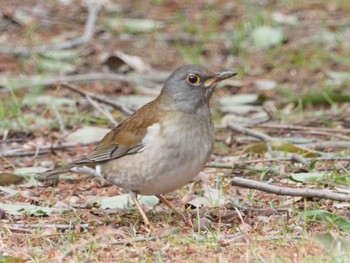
(163, 145)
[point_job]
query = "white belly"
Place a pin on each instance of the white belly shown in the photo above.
(170, 160)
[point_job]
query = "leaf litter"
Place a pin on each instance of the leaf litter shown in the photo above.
(287, 55)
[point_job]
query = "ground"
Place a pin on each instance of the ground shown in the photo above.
(283, 120)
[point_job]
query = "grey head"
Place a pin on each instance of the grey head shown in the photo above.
(189, 88)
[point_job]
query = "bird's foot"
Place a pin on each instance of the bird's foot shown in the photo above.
(188, 221)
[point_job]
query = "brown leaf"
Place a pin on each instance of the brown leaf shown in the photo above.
(8, 179)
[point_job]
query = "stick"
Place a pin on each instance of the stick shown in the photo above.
(306, 193)
(260, 135)
(42, 149)
(93, 9)
(271, 160)
(323, 133)
(267, 138)
(298, 127)
(58, 226)
(327, 144)
(58, 117)
(18, 229)
(13, 140)
(98, 107)
(101, 99)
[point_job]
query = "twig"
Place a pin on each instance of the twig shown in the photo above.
(239, 215)
(307, 193)
(270, 238)
(13, 140)
(19, 229)
(264, 170)
(327, 144)
(331, 159)
(93, 9)
(298, 127)
(58, 226)
(323, 133)
(101, 99)
(41, 149)
(98, 107)
(58, 117)
(220, 165)
(261, 210)
(267, 138)
(260, 135)
(271, 160)
(230, 236)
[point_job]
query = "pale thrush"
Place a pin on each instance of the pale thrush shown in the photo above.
(163, 145)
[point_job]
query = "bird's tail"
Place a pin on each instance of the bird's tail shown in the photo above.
(54, 173)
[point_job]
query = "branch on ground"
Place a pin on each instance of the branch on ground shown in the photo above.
(300, 192)
(41, 149)
(114, 104)
(246, 131)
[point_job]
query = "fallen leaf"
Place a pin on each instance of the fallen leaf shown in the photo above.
(29, 171)
(121, 62)
(11, 259)
(56, 66)
(9, 178)
(9, 191)
(133, 25)
(284, 19)
(265, 84)
(67, 54)
(240, 109)
(239, 99)
(199, 202)
(19, 209)
(338, 75)
(149, 200)
(309, 177)
(135, 101)
(322, 215)
(332, 243)
(266, 36)
(283, 147)
(124, 202)
(87, 134)
(215, 196)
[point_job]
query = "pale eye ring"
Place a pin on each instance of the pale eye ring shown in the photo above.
(193, 79)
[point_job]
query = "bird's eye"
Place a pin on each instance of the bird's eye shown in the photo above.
(193, 79)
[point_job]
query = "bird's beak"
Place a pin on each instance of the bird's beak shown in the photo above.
(219, 76)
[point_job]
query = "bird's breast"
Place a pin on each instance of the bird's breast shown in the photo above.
(175, 151)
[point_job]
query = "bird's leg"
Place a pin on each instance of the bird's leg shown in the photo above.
(133, 196)
(177, 212)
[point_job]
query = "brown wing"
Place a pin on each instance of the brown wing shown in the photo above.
(126, 138)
